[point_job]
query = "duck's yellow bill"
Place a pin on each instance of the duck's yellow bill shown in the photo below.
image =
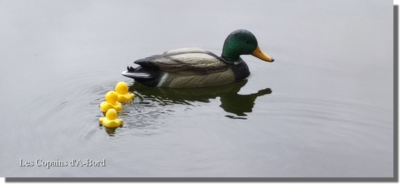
(259, 54)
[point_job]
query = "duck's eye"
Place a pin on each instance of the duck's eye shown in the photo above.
(247, 41)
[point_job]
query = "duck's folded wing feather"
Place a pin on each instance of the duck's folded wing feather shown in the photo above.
(185, 62)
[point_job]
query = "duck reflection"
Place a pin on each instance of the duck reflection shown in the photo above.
(231, 101)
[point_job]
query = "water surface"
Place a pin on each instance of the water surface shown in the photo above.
(324, 108)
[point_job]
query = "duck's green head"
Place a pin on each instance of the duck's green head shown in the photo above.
(241, 42)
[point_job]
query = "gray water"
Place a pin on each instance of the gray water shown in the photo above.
(324, 108)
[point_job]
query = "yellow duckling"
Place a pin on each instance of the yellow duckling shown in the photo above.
(111, 102)
(122, 90)
(111, 120)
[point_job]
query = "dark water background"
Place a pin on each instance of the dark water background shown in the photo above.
(323, 108)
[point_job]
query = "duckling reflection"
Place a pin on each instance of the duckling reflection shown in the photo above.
(231, 101)
(110, 131)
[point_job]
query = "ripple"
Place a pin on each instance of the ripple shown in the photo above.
(313, 110)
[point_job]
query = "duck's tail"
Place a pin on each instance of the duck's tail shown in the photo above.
(137, 73)
(142, 75)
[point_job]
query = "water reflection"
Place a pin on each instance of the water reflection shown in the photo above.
(110, 131)
(231, 101)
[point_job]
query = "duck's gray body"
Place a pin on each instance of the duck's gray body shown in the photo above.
(187, 68)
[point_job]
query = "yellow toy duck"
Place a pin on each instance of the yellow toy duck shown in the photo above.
(122, 90)
(111, 120)
(111, 102)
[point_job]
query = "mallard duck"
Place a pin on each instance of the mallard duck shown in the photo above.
(196, 67)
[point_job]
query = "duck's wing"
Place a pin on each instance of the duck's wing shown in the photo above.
(185, 61)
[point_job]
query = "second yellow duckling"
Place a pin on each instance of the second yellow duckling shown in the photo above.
(122, 90)
(111, 102)
(111, 120)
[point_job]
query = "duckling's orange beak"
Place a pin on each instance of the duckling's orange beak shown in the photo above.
(259, 54)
